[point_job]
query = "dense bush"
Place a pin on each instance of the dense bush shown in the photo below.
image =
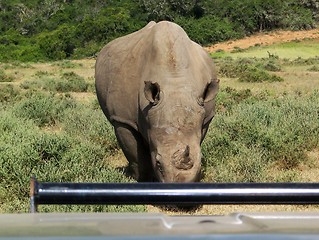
(58, 44)
(254, 74)
(27, 151)
(229, 97)
(72, 82)
(16, 47)
(209, 29)
(89, 124)
(31, 31)
(68, 82)
(244, 142)
(66, 64)
(43, 109)
(249, 70)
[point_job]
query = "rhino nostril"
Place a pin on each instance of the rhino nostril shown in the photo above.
(159, 167)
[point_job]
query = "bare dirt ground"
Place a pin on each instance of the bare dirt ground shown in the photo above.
(265, 39)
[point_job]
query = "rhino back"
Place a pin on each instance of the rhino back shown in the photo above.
(117, 74)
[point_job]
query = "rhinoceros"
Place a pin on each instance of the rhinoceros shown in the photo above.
(158, 88)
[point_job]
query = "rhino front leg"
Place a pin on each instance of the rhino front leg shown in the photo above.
(136, 152)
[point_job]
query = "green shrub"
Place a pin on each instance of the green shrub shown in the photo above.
(31, 85)
(302, 61)
(90, 49)
(298, 18)
(4, 77)
(68, 82)
(231, 68)
(90, 124)
(274, 132)
(67, 64)
(8, 93)
(248, 70)
(72, 83)
(17, 64)
(24, 52)
(254, 74)
(40, 74)
(43, 109)
(25, 150)
(228, 97)
(272, 66)
(58, 44)
(17, 47)
(209, 29)
(314, 68)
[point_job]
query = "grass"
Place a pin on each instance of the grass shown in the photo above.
(5, 77)
(246, 141)
(263, 131)
(30, 146)
(290, 50)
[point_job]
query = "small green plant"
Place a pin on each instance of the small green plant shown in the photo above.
(72, 82)
(314, 68)
(4, 77)
(272, 66)
(31, 85)
(302, 61)
(89, 122)
(254, 74)
(248, 70)
(8, 92)
(68, 82)
(237, 50)
(67, 64)
(16, 64)
(230, 97)
(41, 74)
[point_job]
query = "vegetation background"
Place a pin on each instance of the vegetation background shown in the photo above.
(36, 30)
(266, 127)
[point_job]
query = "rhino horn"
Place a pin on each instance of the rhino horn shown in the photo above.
(184, 161)
(186, 153)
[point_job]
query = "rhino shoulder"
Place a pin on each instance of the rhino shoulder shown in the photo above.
(126, 43)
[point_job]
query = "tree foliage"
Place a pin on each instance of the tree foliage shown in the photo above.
(55, 29)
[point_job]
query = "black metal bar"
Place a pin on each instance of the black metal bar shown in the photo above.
(173, 193)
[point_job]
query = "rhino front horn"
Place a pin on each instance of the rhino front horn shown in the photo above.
(183, 160)
(186, 153)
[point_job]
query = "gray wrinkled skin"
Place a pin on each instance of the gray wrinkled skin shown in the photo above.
(158, 88)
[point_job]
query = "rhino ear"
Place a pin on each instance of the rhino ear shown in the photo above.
(152, 92)
(211, 90)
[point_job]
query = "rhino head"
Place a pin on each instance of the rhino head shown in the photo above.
(174, 122)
